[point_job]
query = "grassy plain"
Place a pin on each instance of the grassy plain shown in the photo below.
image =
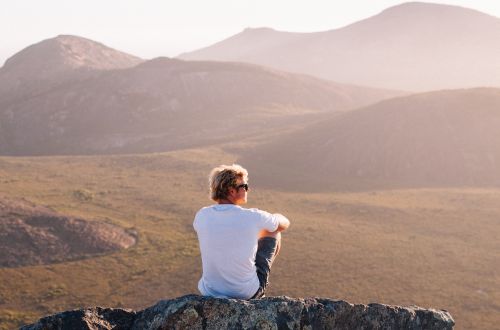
(435, 248)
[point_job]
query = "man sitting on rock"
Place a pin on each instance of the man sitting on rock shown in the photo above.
(237, 245)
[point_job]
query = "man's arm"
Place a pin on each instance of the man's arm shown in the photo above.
(284, 223)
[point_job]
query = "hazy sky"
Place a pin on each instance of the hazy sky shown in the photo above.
(151, 28)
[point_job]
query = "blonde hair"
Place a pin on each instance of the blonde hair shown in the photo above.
(222, 178)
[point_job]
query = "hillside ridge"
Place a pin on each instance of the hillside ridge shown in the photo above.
(413, 46)
(444, 138)
(158, 105)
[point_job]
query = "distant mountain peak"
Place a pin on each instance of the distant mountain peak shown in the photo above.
(258, 29)
(241, 43)
(433, 9)
(71, 38)
(415, 46)
(160, 60)
(58, 60)
(418, 4)
(69, 52)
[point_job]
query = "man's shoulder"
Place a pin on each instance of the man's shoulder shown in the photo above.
(205, 208)
(202, 213)
(212, 208)
(215, 208)
(266, 219)
(254, 211)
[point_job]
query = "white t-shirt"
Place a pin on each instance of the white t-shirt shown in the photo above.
(228, 236)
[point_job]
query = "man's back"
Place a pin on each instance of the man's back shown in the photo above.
(238, 246)
(228, 236)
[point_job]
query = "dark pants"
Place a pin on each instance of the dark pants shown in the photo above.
(266, 252)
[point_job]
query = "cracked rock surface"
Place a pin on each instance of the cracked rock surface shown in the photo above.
(197, 312)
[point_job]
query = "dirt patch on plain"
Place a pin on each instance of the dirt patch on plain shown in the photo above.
(32, 235)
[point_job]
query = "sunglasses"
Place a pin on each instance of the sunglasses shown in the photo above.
(243, 185)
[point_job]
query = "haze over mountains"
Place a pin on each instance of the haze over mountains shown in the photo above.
(72, 95)
(435, 139)
(414, 46)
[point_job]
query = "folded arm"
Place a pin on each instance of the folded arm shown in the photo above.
(284, 223)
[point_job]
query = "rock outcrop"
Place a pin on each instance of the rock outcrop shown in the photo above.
(196, 312)
(32, 234)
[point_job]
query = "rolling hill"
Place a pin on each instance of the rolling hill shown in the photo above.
(437, 139)
(156, 105)
(413, 46)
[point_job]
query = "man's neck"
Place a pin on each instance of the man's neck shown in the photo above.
(225, 201)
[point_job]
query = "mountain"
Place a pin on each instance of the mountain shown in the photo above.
(413, 46)
(165, 104)
(55, 61)
(436, 139)
(251, 45)
(67, 52)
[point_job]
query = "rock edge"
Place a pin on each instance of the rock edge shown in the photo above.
(197, 312)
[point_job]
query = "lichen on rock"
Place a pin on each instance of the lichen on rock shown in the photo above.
(197, 312)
